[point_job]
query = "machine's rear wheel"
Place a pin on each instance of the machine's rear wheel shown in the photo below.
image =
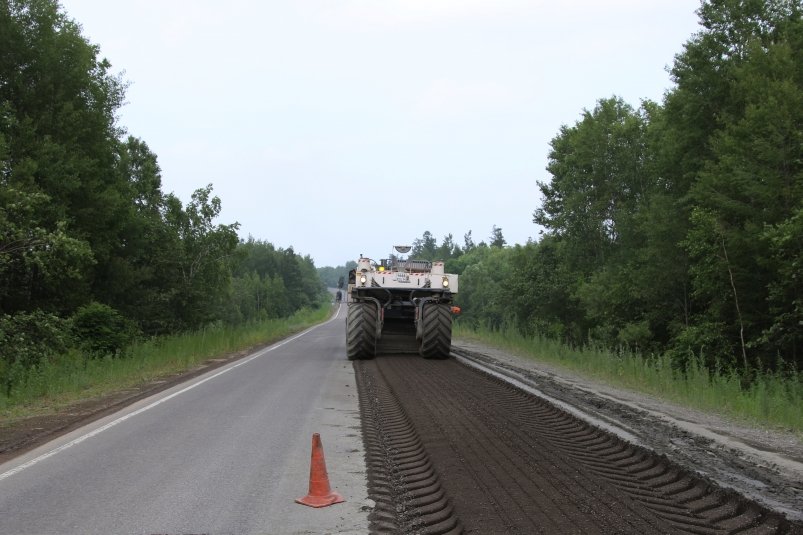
(361, 330)
(436, 337)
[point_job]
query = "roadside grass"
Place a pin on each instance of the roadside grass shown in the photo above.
(73, 377)
(773, 400)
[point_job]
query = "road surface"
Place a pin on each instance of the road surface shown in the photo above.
(227, 452)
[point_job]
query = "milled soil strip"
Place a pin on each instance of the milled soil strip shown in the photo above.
(506, 461)
(402, 482)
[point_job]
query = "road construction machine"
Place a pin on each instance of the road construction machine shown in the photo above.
(399, 305)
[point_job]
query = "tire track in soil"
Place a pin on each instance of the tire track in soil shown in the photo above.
(506, 461)
(511, 471)
(402, 482)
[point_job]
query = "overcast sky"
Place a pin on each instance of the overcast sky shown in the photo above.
(342, 127)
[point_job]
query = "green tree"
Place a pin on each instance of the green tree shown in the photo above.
(101, 330)
(482, 282)
(142, 274)
(57, 139)
(425, 248)
(26, 339)
(448, 249)
(743, 80)
(600, 184)
(468, 242)
(275, 282)
(203, 258)
(331, 276)
(785, 291)
(41, 266)
(598, 179)
(497, 239)
(539, 292)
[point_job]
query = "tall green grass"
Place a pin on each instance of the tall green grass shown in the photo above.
(772, 400)
(72, 377)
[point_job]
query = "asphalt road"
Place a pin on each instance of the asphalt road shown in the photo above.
(227, 452)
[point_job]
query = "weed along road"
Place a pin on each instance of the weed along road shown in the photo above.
(227, 452)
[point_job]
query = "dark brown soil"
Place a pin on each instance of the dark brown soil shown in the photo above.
(763, 464)
(496, 459)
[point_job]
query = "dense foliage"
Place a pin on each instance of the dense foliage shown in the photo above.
(676, 226)
(272, 283)
(669, 227)
(335, 277)
(92, 252)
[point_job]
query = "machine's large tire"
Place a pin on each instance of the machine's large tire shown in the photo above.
(361, 330)
(436, 337)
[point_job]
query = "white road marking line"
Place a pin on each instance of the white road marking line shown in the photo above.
(122, 419)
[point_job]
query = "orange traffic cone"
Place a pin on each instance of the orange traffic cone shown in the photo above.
(320, 494)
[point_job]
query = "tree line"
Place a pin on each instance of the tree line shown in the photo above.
(92, 252)
(674, 226)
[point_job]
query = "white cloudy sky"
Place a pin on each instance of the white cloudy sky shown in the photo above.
(342, 127)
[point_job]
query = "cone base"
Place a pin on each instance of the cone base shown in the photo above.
(321, 501)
